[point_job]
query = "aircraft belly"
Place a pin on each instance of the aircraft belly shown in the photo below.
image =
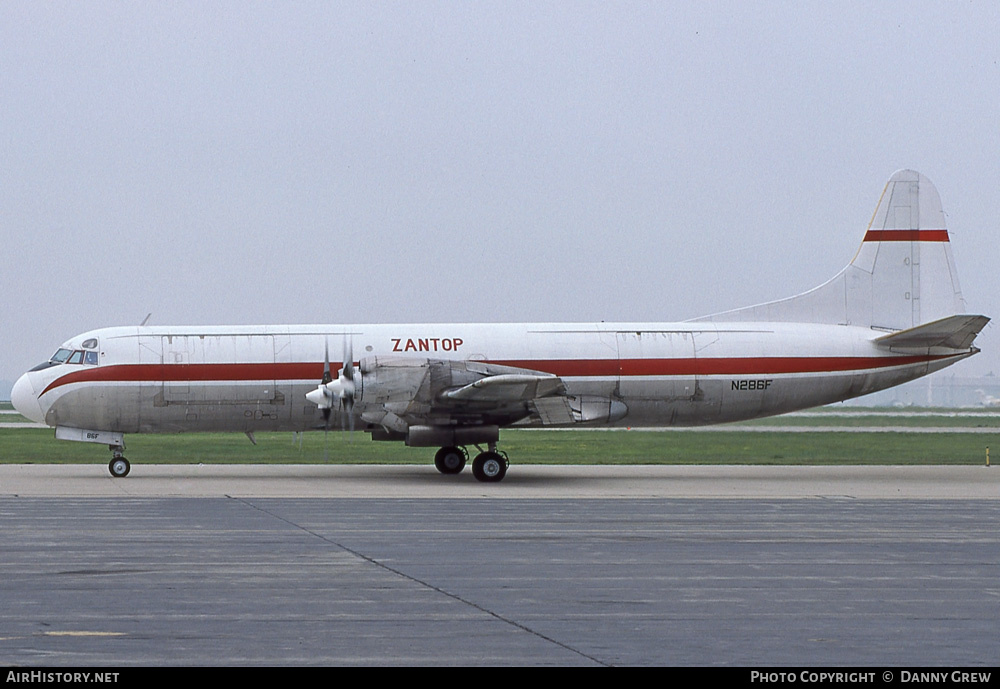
(210, 406)
(104, 407)
(721, 400)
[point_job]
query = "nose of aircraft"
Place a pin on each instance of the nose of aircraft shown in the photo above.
(24, 399)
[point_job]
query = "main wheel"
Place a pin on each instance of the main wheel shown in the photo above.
(489, 467)
(450, 460)
(119, 467)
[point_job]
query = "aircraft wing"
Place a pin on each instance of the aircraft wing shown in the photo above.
(398, 393)
(462, 401)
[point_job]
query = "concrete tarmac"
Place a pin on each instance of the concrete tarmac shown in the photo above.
(522, 481)
(568, 565)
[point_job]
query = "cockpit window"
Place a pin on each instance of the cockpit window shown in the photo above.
(90, 343)
(69, 356)
(60, 356)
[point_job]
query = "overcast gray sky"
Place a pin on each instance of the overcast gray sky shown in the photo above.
(337, 162)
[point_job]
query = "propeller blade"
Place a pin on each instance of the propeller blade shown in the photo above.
(347, 376)
(348, 406)
(348, 371)
(326, 363)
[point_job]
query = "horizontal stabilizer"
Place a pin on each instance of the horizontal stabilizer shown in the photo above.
(954, 332)
(511, 387)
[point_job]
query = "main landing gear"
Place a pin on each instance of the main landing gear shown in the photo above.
(489, 466)
(451, 460)
(118, 466)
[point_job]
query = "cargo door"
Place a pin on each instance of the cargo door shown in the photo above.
(218, 369)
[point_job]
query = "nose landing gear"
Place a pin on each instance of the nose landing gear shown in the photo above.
(118, 466)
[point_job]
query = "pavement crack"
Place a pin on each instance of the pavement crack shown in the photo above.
(426, 584)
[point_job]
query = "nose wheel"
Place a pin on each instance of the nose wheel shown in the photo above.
(119, 466)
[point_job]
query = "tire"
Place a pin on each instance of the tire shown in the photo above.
(119, 467)
(450, 460)
(489, 467)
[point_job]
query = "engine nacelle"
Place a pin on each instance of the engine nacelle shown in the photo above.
(392, 381)
(447, 436)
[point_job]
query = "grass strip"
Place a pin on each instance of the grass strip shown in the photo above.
(523, 447)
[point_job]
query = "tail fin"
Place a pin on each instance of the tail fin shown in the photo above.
(902, 276)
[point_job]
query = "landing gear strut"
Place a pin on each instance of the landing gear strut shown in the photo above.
(118, 466)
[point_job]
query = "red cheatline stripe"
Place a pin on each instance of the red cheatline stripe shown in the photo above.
(567, 368)
(156, 373)
(906, 236)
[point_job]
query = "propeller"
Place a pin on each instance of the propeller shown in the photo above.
(341, 390)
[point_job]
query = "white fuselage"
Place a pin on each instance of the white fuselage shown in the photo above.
(255, 378)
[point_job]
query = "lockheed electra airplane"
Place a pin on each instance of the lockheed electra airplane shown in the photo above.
(895, 313)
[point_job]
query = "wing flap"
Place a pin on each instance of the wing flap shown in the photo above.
(554, 411)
